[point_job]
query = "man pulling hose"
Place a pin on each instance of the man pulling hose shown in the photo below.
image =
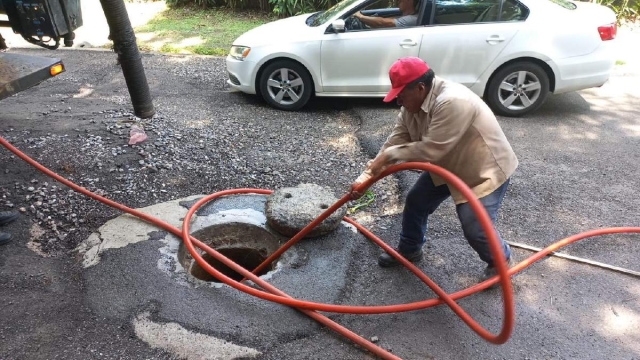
(446, 124)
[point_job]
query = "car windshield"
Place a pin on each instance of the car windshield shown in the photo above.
(320, 18)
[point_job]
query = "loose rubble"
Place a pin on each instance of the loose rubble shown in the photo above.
(174, 161)
(202, 139)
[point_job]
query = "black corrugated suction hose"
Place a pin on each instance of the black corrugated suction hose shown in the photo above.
(124, 44)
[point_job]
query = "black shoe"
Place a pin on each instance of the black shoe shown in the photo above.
(7, 217)
(490, 271)
(386, 260)
(5, 238)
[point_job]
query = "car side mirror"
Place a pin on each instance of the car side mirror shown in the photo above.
(338, 25)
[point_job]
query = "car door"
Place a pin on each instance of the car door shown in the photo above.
(464, 38)
(359, 61)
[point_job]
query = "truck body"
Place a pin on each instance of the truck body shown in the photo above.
(41, 22)
(20, 72)
(48, 22)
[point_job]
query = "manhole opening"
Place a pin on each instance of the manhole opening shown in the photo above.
(246, 257)
(247, 245)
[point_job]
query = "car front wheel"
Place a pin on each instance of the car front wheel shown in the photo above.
(518, 89)
(286, 85)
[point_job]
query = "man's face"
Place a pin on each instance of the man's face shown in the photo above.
(412, 97)
(405, 6)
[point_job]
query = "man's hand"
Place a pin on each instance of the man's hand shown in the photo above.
(355, 195)
(379, 164)
(374, 168)
(375, 21)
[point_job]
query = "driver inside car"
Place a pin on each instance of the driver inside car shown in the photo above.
(409, 16)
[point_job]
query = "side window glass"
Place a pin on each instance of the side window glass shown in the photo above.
(513, 11)
(466, 12)
(393, 13)
(380, 5)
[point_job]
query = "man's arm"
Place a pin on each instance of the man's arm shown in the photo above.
(450, 120)
(399, 135)
(375, 22)
(407, 21)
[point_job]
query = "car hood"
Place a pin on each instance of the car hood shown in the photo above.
(285, 30)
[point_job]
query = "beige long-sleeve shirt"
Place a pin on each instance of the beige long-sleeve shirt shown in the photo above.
(456, 130)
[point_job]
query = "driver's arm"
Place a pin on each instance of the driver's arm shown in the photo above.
(375, 22)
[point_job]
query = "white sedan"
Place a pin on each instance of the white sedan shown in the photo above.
(512, 53)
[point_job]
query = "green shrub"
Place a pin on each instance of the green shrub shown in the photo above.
(626, 10)
(282, 8)
(199, 3)
(295, 7)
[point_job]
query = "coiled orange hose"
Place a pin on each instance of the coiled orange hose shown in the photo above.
(311, 308)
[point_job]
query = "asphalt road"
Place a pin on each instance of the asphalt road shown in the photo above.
(578, 171)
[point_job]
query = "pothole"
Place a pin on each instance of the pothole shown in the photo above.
(246, 244)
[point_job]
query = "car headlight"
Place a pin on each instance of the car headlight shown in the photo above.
(239, 52)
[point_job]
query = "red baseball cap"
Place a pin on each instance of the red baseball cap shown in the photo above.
(403, 72)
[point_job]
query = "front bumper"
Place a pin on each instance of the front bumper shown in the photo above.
(241, 75)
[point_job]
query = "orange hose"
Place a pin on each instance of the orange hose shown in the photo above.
(311, 308)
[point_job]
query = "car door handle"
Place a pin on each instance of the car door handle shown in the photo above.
(495, 39)
(408, 43)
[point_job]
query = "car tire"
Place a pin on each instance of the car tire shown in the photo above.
(518, 89)
(291, 93)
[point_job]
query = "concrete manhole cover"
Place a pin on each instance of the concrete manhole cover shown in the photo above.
(289, 210)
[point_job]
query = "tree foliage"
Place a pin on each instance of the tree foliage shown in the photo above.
(626, 10)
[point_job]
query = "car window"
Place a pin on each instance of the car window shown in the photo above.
(513, 11)
(448, 12)
(382, 8)
(321, 17)
(383, 4)
(565, 4)
(464, 12)
(389, 9)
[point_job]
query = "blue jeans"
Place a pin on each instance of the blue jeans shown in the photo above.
(424, 198)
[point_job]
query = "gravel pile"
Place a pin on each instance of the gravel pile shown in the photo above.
(202, 139)
(174, 161)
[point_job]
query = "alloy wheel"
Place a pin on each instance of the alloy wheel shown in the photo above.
(519, 90)
(285, 86)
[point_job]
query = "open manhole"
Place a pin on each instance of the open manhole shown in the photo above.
(246, 244)
(248, 258)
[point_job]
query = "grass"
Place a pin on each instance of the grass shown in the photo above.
(620, 62)
(197, 31)
(367, 199)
